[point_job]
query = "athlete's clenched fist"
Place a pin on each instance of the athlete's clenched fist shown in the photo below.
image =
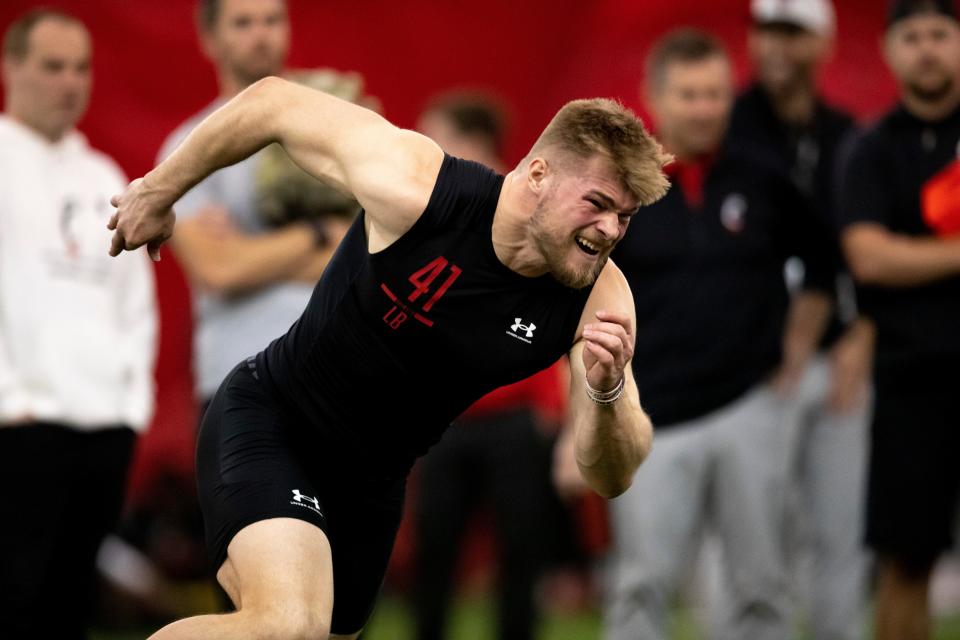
(608, 347)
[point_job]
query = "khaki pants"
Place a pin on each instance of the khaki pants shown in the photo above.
(730, 471)
(828, 556)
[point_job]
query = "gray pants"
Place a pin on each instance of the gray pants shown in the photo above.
(729, 470)
(828, 557)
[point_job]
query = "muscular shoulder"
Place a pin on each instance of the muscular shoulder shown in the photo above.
(395, 184)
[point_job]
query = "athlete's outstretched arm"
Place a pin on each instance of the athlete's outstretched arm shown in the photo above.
(610, 441)
(390, 171)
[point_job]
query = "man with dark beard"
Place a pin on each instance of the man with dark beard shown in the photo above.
(899, 205)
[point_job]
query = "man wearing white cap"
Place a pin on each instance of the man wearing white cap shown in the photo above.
(814, 16)
(827, 348)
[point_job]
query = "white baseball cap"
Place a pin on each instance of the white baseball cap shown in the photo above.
(816, 16)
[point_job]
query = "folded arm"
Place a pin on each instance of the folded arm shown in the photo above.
(881, 257)
(228, 261)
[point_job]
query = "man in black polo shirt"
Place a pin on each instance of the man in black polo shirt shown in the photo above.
(706, 267)
(781, 110)
(899, 207)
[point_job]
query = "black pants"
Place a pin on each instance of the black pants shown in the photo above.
(914, 476)
(61, 491)
(505, 460)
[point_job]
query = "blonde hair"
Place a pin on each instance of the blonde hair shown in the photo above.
(586, 128)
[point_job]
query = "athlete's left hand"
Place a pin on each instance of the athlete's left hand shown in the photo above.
(608, 347)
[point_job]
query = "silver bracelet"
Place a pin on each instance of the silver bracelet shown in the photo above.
(605, 397)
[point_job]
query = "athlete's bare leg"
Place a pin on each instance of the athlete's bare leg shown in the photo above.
(279, 574)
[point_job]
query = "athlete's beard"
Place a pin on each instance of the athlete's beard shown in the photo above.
(554, 246)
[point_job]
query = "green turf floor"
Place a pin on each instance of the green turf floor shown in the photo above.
(473, 620)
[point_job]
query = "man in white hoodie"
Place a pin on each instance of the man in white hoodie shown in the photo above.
(77, 336)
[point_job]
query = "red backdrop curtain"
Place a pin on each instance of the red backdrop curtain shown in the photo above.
(150, 76)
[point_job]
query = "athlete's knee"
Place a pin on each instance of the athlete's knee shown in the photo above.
(290, 622)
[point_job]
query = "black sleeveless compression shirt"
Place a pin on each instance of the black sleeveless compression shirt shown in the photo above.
(394, 345)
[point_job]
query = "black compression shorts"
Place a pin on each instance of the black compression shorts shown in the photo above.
(255, 463)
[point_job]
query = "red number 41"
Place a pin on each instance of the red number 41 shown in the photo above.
(422, 280)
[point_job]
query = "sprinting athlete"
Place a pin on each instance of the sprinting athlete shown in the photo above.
(453, 281)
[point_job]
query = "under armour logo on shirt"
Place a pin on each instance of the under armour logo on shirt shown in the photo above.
(301, 498)
(529, 328)
(518, 326)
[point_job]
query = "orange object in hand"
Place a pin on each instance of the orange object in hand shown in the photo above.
(940, 201)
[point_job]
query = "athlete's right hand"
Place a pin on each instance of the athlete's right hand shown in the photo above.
(143, 217)
(608, 348)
